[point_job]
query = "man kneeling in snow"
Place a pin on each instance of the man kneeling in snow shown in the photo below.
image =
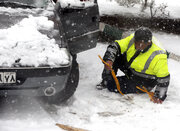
(143, 62)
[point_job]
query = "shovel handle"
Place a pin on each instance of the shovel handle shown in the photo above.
(114, 75)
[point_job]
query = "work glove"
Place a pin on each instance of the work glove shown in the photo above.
(110, 63)
(159, 94)
(106, 75)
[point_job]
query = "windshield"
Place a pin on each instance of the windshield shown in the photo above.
(33, 3)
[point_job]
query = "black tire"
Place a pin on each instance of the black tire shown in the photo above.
(70, 88)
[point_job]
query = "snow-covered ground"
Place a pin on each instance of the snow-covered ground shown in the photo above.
(100, 110)
(111, 7)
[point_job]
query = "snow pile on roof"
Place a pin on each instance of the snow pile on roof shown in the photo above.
(76, 3)
(24, 44)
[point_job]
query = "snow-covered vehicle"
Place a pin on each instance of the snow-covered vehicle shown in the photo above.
(39, 42)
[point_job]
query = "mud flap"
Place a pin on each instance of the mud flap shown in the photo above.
(80, 26)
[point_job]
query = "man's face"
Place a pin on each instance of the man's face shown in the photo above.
(139, 45)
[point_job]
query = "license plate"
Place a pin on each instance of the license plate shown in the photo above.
(7, 77)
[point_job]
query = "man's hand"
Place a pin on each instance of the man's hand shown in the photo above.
(110, 63)
(156, 100)
(159, 95)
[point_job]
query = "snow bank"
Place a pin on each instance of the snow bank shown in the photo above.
(23, 43)
(76, 3)
(111, 7)
(169, 41)
(15, 10)
(99, 110)
(135, 11)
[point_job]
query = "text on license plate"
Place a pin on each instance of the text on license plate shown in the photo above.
(7, 77)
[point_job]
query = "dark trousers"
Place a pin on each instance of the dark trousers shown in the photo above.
(127, 85)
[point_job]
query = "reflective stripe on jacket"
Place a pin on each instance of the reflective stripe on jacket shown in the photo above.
(153, 62)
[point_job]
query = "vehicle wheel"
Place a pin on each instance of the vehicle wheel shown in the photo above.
(71, 86)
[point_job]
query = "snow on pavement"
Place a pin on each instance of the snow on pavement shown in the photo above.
(24, 114)
(113, 112)
(112, 7)
(99, 110)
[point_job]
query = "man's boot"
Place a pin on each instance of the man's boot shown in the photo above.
(106, 75)
(101, 85)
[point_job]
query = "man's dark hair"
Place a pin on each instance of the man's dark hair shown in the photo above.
(143, 34)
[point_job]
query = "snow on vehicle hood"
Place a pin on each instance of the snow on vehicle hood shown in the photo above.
(76, 3)
(25, 45)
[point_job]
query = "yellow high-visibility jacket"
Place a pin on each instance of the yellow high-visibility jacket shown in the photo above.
(153, 62)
